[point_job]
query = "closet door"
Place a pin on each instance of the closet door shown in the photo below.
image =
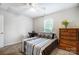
(1, 31)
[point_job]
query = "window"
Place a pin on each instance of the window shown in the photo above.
(48, 25)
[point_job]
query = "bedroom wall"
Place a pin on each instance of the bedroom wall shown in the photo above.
(15, 27)
(71, 14)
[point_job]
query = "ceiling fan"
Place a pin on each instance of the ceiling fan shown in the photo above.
(29, 7)
(25, 6)
(33, 5)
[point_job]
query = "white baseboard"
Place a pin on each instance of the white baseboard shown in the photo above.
(12, 43)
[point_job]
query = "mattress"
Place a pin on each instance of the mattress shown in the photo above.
(24, 40)
(36, 46)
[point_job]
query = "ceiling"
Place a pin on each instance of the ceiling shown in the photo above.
(40, 9)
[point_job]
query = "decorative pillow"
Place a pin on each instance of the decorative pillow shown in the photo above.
(47, 35)
(39, 35)
(43, 35)
(53, 35)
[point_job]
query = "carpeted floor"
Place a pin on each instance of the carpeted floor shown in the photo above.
(16, 50)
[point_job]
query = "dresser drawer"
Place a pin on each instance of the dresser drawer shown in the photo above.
(72, 31)
(68, 47)
(68, 38)
(65, 33)
(68, 30)
(69, 42)
(68, 34)
(64, 45)
(63, 30)
(78, 48)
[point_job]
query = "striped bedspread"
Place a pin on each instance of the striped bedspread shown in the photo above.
(36, 46)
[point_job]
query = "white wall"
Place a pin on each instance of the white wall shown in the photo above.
(71, 14)
(1, 31)
(15, 26)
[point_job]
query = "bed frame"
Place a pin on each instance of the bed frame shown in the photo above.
(48, 49)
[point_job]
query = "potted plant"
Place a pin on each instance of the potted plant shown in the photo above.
(65, 23)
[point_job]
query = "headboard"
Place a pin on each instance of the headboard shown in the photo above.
(47, 35)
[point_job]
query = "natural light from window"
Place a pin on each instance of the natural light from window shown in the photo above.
(48, 25)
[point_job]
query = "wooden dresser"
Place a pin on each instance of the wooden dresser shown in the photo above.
(69, 39)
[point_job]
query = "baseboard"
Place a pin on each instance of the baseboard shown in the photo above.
(12, 43)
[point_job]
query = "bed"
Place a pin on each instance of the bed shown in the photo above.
(39, 45)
